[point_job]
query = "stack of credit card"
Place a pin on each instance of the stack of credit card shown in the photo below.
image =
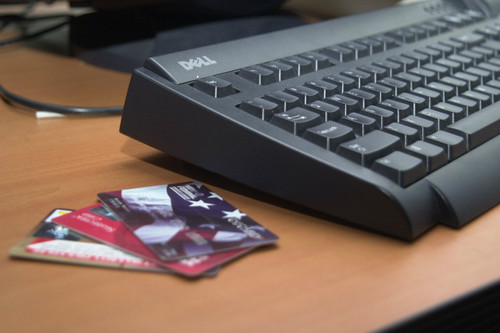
(180, 228)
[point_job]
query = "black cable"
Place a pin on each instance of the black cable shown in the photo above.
(12, 98)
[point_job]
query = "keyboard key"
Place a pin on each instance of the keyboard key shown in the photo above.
(445, 91)
(453, 66)
(494, 93)
(360, 77)
(400, 109)
(468, 105)
(376, 72)
(492, 45)
(300, 65)
(391, 66)
(325, 110)
(416, 102)
(382, 92)
(406, 62)
(489, 32)
(422, 125)
(281, 70)
(493, 83)
(440, 25)
(431, 53)
(339, 53)
(464, 61)
(403, 169)
(474, 56)
(478, 127)
(360, 50)
(470, 39)
(494, 69)
(296, 120)
(495, 61)
(373, 45)
(454, 111)
(388, 42)
(431, 96)
(324, 88)
(433, 156)
(284, 100)
(453, 20)
(344, 83)
(260, 107)
(430, 29)
(475, 15)
(443, 49)
(427, 76)
(465, 18)
(453, 145)
(412, 80)
(365, 98)
(359, 123)
(214, 86)
(484, 75)
(383, 117)
(346, 104)
(402, 35)
(484, 51)
(441, 71)
(397, 86)
(483, 100)
(406, 133)
(366, 149)
(458, 85)
(417, 31)
(440, 119)
(455, 45)
(420, 58)
(329, 134)
(305, 94)
(472, 80)
(318, 60)
(258, 74)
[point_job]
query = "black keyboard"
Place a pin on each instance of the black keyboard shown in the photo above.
(388, 119)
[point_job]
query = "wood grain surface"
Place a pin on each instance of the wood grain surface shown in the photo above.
(321, 277)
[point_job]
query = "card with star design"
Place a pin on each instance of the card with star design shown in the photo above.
(184, 220)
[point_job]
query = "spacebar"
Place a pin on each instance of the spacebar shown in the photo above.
(479, 127)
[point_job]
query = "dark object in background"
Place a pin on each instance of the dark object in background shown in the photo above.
(123, 38)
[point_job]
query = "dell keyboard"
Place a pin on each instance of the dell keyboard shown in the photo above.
(388, 119)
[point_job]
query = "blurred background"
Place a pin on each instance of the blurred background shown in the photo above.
(121, 34)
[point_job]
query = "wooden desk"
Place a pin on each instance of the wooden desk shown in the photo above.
(322, 277)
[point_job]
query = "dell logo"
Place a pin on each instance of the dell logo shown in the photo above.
(198, 62)
(436, 8)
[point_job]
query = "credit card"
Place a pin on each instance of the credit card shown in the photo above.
(56, 243)
(99, 223)
(185, 220)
